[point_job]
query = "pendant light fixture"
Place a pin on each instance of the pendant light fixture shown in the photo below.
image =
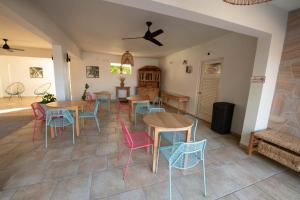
(245, 2)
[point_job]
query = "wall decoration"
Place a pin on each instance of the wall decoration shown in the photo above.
(36, 72)
(92, 71)
(189, 69)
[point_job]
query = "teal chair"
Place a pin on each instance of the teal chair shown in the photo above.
(184, 156)
(104, 100)
(157, 102)
(154, 110)
(92, 114)
(58, 118)
(180, 136)
(141, 108)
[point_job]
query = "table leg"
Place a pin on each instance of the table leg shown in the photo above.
(149, 134)
(77, 122)
(189, 134)
(155, 148)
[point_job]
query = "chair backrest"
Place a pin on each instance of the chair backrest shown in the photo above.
(154, 110)
(39, 112)
(96, 108)
(188, 154)
(157, 100)
(58, 113)
(15, 88)
(42, 89)
(126, 135)
(195, 125)
(141, 107)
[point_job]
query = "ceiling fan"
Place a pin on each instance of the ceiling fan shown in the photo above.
(8, 48)
(150, 36)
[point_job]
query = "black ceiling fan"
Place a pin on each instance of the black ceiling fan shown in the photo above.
(8, 48)
(149, 36)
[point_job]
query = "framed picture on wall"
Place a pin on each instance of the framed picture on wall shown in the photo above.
(92, 71)
(36, 72)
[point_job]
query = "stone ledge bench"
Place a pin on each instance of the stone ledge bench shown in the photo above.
(281, 147)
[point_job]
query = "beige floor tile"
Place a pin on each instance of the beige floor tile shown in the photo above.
(77, 187)
(92, 164)
(61, 169)
(41, 191)
(160, 191)
(130, 195)
(252, 193)
(7, 194)
(84, 150)
(107, 183)
(106, 148)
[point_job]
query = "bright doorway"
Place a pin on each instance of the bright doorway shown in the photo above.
(209, 88)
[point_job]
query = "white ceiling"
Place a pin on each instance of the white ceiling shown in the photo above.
(19, 36)
(287, 5)
(98, 26)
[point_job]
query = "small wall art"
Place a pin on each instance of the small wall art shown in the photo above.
(36, 72)
(92, 71)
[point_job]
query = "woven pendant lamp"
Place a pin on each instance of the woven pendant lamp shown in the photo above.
(127, 58)
(245, 2)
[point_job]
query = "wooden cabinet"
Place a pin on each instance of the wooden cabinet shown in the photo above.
(149, 81)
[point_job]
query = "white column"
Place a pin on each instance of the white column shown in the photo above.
(61, 74)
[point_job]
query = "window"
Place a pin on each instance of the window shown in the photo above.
(115, 68)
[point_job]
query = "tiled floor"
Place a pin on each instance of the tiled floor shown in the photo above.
(91, 170)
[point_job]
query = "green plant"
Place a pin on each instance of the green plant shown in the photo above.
(86, 86)
(47, 98)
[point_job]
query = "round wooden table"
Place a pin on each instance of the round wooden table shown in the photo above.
(132, 100)
(165, 121)
(70, 105)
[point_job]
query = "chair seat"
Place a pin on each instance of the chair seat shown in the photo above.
(174, 137)
(143, 110)
(141, 139)
(86, 114)
(59, 122)
(185, 161)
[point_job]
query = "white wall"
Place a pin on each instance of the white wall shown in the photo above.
(238, 52)
(106, 80)
(16, 69)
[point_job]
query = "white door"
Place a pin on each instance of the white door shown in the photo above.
(208, 89)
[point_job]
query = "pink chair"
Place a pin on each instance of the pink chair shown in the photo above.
(133, 140)
(39, 116)
(89, 99)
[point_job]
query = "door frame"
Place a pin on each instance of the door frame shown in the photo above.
(208, 61)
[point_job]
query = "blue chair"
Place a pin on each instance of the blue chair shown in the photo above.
(157, 102)
(184, 156)
(58, 118)
(180, 136)
(154, 110)
(104, 100)
(140, 108)
(91, 114)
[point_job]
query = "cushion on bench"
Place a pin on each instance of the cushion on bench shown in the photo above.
(284, 140)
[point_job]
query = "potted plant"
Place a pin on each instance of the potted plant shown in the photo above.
(48, 98)
(86, 86)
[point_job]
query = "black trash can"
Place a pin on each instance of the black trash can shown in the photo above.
(222, 117)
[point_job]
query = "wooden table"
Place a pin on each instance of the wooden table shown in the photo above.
(104, 94)
(70, 105)
(132, 100)
(181, 99)
(165, 121)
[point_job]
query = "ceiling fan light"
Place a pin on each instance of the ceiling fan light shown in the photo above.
(127, 58)
(245, 2)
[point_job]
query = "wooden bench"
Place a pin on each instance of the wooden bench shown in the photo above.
(281, 147)
(181, 100)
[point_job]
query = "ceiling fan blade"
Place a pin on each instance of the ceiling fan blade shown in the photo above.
(155, 41)
(15, 49)
(131, 38)
(156, 33)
